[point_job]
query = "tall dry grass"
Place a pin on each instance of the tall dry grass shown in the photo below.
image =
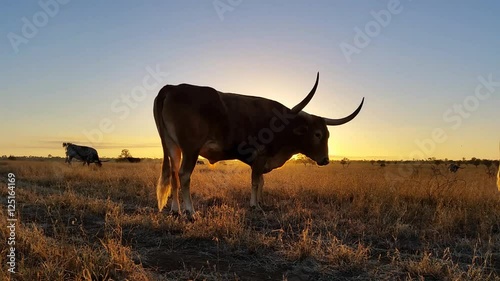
(80, 223)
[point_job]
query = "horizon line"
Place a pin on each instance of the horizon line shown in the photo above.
(332, 157)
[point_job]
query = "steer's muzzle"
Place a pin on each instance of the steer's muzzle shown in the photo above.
(324, 162)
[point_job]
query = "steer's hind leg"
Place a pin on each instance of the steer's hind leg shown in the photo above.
(187, 166)
(175, 159)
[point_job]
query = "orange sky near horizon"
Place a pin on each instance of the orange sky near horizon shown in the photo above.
(89, 76)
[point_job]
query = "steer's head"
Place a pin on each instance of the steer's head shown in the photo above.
(311, 132)
(311, 137)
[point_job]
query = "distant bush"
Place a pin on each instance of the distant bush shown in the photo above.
(128, 159)
(345, 162)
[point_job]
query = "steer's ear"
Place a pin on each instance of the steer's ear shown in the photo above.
(300, 130)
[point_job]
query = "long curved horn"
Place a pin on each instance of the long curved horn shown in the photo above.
(296, 109)
(336, 122)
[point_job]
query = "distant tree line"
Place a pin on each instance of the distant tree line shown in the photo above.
(345, 162)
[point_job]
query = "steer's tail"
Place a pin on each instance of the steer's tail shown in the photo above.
(498, 173)
(163, 188)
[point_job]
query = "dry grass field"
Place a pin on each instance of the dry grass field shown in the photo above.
(320, 223)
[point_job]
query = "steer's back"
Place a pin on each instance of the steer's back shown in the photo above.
(209, 120)
(190, 114)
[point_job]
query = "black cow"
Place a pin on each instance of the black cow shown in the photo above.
(83, 153)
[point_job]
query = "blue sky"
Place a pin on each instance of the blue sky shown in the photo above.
(78, 66)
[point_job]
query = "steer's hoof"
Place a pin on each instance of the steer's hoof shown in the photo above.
(174, 214)
(191, 216)
(258, 209)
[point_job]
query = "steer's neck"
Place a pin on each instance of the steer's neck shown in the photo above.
(278, 159)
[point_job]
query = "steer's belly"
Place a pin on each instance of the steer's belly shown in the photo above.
(212, 151)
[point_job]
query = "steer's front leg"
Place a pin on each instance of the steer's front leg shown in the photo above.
(257, 184)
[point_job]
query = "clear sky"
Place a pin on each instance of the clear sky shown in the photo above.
(87, 71)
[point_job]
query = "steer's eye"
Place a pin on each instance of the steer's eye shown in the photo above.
(317, 135)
